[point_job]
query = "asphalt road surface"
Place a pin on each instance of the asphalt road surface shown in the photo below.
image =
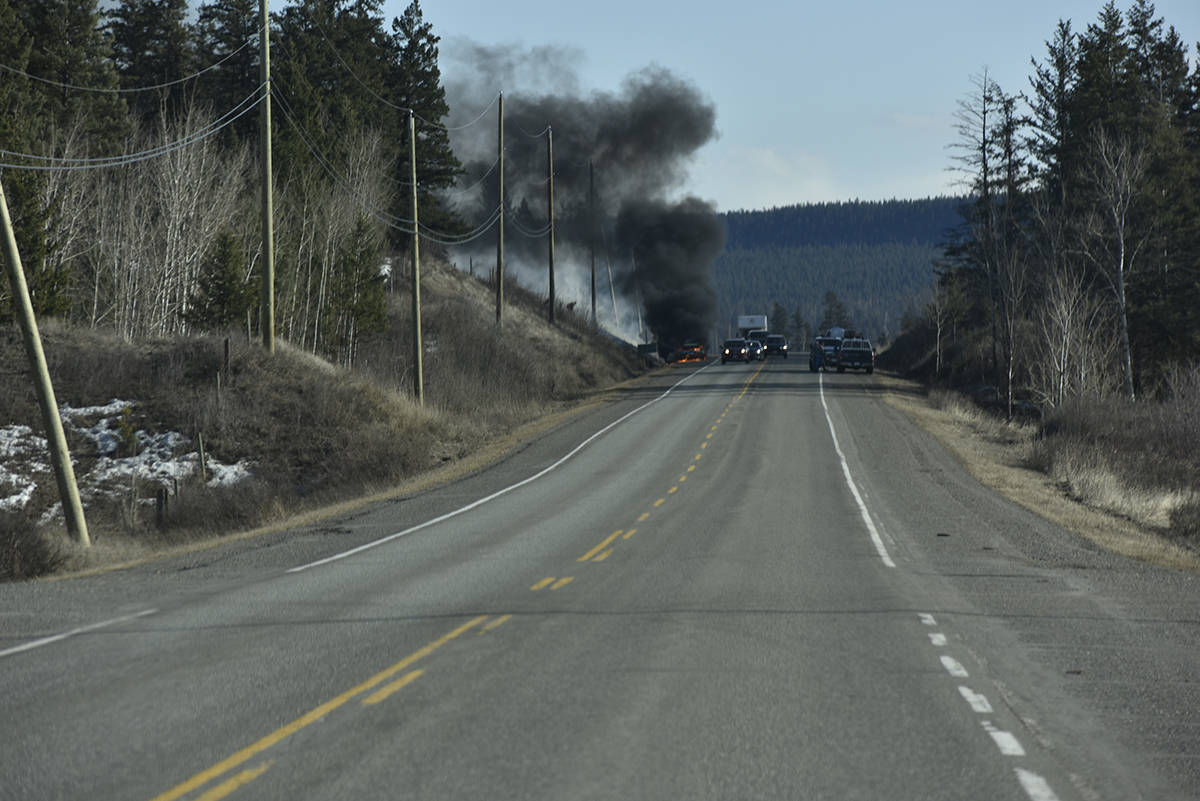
(735, 582)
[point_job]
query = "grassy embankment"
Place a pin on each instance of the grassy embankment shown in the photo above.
(316, 434)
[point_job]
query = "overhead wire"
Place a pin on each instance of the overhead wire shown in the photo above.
(354, 74)
(388, 103)
(244, 107)
(131, 90)
(103, 162)
(453, 128)
(541, 232)
(462, 190)
(390, 220)
(402, 224)
(461, 239)
(538, 135)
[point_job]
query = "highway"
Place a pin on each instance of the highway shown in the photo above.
(742, 581)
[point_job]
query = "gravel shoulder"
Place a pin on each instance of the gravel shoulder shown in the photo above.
(1000, 466)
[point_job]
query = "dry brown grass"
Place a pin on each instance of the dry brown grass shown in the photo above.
(998, 455)
(322, 438)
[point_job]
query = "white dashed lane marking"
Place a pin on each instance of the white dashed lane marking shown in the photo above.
(1036, 787)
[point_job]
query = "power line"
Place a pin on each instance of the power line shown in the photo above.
(543, 132)
(462, 239)
(388, 103)
(531, 234)
(132, 90)
(397, 223)
(453, 128)
(462, 190)
(59, 163)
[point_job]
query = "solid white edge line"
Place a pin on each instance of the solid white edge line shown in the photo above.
(498, 493)
(862, 507)
(29, 646)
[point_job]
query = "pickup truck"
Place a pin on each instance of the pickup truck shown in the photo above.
(853, 354)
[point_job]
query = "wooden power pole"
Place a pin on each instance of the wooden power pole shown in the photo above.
(60, 457)
(418, 374)
(268, 225)
(550, 210)
(592, 237)
(500, 223)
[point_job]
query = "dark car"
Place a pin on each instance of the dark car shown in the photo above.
(776, 345)
(735, 350)
(854, 354)
(755, 348)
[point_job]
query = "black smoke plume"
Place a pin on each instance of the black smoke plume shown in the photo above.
(673, 248)
(639, 141)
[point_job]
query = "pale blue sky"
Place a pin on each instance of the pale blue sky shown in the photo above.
(815, 101)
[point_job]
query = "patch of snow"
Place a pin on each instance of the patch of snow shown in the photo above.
(161, 459)
(19, 447)
(21, 498)
(113, 407)
(223, 475)
(19, 441)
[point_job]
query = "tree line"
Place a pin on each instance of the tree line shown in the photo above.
(130, 145)
(1075, 270)
(924, 221)
(875, 259)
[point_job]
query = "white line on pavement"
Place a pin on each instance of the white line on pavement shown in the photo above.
(497, 494)
(29, 646)
(862, 507)
(1035, 786)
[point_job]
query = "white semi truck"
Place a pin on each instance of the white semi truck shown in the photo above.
(751, 322)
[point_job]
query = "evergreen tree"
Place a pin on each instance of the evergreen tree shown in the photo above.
(23, 109)
(72, 51)
(227, 34)
(358, 305)
(834, 314)
(332, 77)
(801, 330)
(223, 294)
(417, 84)
(779, 319)
(1050, 136)
(152, 46)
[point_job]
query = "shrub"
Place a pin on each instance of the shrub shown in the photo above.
(24, 551)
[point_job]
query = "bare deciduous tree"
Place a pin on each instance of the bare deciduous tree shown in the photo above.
(1115, 171)
(154, 223)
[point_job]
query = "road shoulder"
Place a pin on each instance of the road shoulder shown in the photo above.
(998, 465)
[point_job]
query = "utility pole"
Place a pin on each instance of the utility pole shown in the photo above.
(550, 210)
(637, 296)
(592, 238)
(268, 226)
(500, 226)
(60, 458)
(418, 373)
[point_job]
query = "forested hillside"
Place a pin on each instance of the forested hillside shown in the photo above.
(865, 222)
(875, 257)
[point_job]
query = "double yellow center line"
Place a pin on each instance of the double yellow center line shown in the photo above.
(282, 733)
